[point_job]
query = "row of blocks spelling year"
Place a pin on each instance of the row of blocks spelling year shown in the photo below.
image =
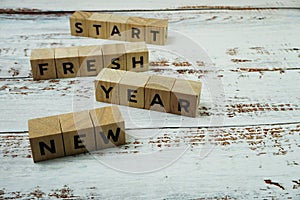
(77, 61)
(119, 27)
(147, 91)
(77, 132)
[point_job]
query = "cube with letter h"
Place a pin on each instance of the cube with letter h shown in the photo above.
(77, 132)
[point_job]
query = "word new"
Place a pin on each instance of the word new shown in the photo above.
(77, 61)
(77, 132)
(119, 27)
(146, 91)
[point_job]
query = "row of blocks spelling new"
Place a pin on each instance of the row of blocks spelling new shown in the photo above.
(77, 132)
(77, 61)
(141, 90)
(119, 27)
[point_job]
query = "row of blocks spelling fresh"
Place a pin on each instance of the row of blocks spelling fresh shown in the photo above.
(141, 90)
(119, 27)
(88, 60)
(77, 132)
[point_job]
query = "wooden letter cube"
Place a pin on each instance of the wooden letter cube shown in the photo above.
(45, 138)
(131, 89)
(106, 85)
(43, 64)
(158, 93)
(135, 29)
(185, 96)
(137, 56)
(117, 27)
(109, 127)
(78, 24)
(90, 59)
(114, 56)
(67, 62)
(97, 25)
(156, 31)
(78, 132)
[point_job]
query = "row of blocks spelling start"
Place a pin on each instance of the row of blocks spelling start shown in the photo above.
(77, 61)
(77, 132)
(119, 27)
(141, 90)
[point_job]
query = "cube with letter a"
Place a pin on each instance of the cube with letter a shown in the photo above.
(135, 29)
(90, 60)
(97, 25)
(78, 132)
(185, 96)
(114, 56)
(156, 31)
(137, 56)
(78, 24)
(132, 89)
(67, 62)
(43, 64)
(106, 85)
(158, 93)
(45, 138)
(109, 127)
(116, 27)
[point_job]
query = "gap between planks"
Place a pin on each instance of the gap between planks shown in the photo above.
(186, 127)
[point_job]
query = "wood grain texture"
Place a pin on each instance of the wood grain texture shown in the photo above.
(256, 143)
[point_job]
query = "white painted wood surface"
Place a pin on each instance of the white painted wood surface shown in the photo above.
(242, 139)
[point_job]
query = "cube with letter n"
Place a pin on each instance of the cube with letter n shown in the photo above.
(45, 138)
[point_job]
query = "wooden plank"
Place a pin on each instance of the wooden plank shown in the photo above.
(146, 5)
(234, 151)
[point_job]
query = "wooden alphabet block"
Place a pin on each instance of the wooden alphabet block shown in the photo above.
(117, 27)
(114, 56)
(78, 25)
(131, 89)
(78, 132)
(97, 25)
(109, 127)
(106, 85)
(90, 60)
(67, 62)
(43, 64)
(137, 56)
(156, 31)
(158, 93)
(135, 29)
(185, 96)
(45, 138)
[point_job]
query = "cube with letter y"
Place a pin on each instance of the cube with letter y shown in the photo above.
(185, 96)
(109, 127)
(45, 138)
(43, 64)
(106, 85)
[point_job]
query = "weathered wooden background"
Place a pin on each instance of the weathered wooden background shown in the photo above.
(243, 145)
